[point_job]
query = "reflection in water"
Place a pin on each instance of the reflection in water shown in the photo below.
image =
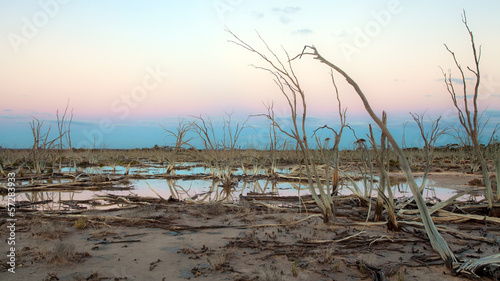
(210, 190)
(48, 200)
(431, 191)
(188, 168)
(201, 190)
(52, 199)
(181, 169)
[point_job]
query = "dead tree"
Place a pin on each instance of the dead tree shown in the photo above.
(437, 241)
(338, 135)
(470, 121)
(182, 142)
(290, 87)
(219, 150)
(384, 181)
(429, 139)
(334, 158)
(64, 129)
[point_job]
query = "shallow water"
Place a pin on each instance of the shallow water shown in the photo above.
(199, 189)
(182, 169)
(208, 190)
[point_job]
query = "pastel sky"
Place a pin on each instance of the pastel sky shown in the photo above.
(134, 65)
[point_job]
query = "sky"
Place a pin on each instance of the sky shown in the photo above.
(127, 68)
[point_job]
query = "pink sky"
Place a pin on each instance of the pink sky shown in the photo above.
(98, 56)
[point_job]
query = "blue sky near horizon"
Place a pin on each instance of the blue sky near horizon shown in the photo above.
(136, 65)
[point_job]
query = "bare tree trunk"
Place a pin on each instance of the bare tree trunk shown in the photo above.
(180, 135)
(380, 158)
(220, 150)
(497, 174)
(288, 80)
(64, 129)
(291, 89)
(470, 120)
(437, 241)
(429, 139)
(486, 176)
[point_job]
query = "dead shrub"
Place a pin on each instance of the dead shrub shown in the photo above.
(476, 182)
(50, 230)
(81, 223)
(213, 208)
(98, 178)
(326, 255)
(244, 208)
(288, 221)
(145, 212)
(187, 250)
(493, 179)
(61, 253)
(271, 274)
(220, 261)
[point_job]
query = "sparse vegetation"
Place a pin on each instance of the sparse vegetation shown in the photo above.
(81, 223)
(295, 269)
(220, 260)
(50, 230)
(326, 255)
(471, 122)
(209, 209)
(61, 254)
(311, 234)
(271, 273)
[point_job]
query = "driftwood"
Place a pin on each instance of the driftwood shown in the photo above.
(116, 242)
(72, 185)
(453, 232)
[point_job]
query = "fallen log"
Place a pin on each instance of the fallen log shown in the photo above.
(116, 242)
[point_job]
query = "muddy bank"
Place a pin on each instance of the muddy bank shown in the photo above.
(152, 239)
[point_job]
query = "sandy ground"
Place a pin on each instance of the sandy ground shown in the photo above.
(179, 241)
